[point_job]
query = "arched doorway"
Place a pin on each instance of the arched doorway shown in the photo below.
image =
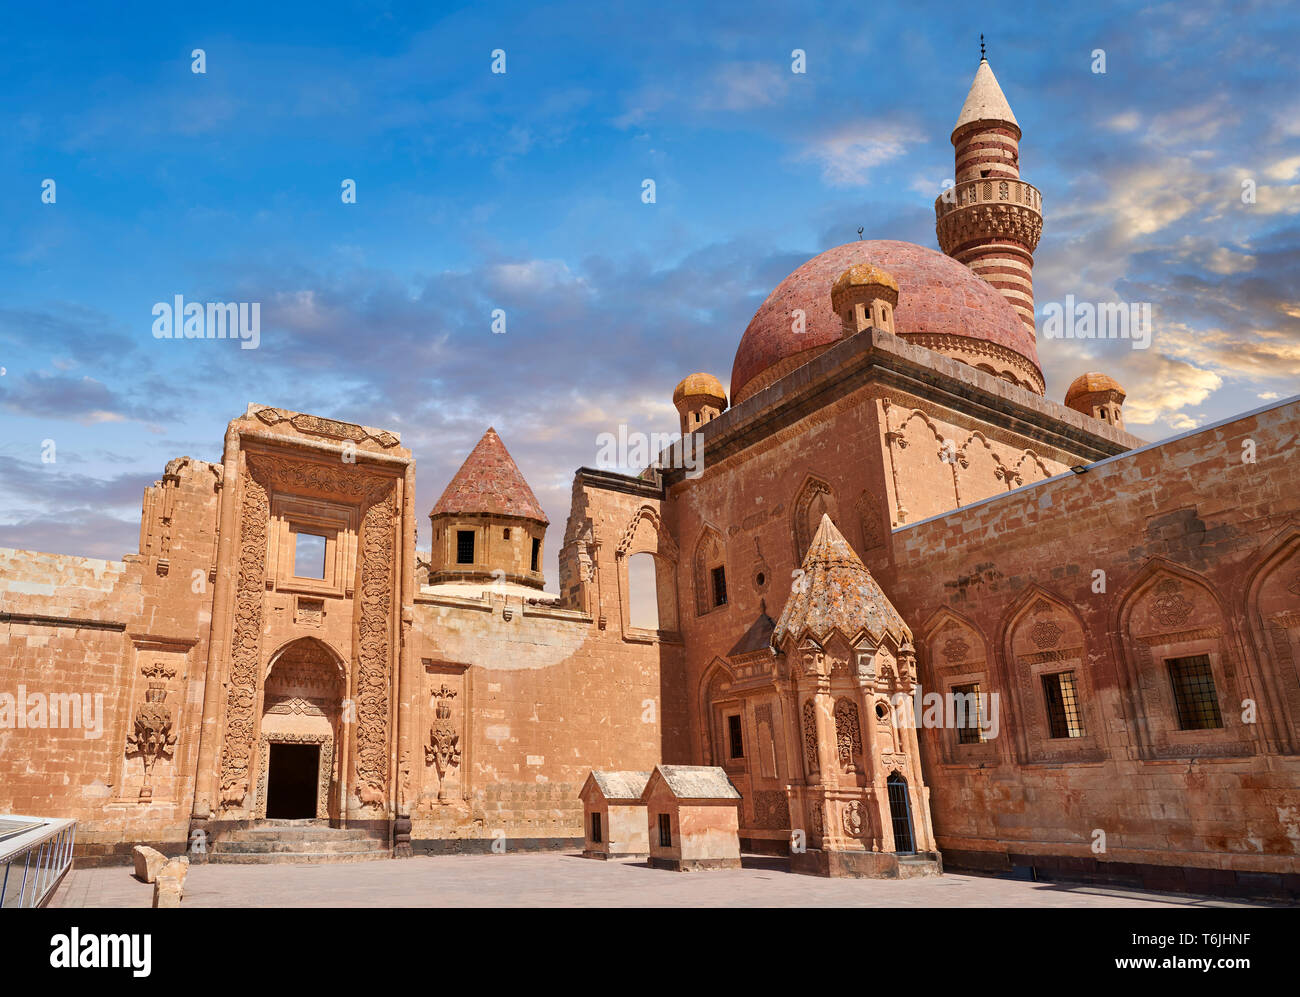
(900, 813)
(299, 761)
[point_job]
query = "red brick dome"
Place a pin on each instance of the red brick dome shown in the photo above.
(937, 297)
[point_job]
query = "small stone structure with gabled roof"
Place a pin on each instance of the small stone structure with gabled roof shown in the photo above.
(694, 818)
(615, 817)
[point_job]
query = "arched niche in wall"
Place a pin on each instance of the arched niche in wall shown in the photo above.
(1055, 695)
(814, 499)
(1273, 613)
(1179, 665)
(645, 534)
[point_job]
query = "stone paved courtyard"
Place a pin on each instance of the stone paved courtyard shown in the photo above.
(542, 880)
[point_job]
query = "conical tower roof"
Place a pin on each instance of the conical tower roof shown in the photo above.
(837, 592)
(985, 102)
(489, 483)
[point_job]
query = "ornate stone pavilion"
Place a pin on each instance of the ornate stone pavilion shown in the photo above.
(890, 481)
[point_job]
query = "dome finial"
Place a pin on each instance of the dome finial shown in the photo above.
(982, 56)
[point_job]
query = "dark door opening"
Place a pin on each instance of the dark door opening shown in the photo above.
(900, 813)
(291, 781)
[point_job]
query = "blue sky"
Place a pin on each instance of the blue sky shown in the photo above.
(522, 191)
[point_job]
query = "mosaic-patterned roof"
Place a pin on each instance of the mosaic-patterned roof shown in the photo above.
(489, 483)
(936, 295)
(837, 592)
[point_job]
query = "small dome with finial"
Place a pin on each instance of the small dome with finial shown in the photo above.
(700, 385)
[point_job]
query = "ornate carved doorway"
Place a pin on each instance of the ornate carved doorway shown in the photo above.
(298, 764)
(291, 783)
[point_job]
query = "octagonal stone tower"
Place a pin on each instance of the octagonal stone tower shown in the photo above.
(991, 219)
(488, 525)
(846, 669)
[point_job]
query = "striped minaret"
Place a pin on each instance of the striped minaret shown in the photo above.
(991, 219)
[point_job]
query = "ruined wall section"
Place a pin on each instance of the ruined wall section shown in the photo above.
(125, 637)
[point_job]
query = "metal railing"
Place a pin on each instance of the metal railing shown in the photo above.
(35, 854)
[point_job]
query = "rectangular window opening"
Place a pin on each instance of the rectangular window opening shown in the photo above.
(719, 586)
(1195, 697)
(1064, 711)
(537, 555)
(665, 831)
(966, 699)
(595, 829)
(737, 741)
(464, 546)
(308, 554)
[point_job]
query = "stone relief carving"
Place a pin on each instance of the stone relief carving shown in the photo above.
(854, 819)
(771, 809)
(152, 736)
(237, 745)
(955, 649)
(372, 651)
(1170, 608)
(443, 749)
(848, 732)
(810, 734)
(667, 545)
(314, 425)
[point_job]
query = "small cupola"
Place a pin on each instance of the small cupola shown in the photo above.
(1097, 395)
(862, 296)
(699, 398)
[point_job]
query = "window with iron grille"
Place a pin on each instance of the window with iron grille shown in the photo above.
(1064, 711)
(537, 553)
(665, 831)
(970, 722)
(1194, 693)
(464, 546)
(719, 586)
(734, 735)
(595, 829)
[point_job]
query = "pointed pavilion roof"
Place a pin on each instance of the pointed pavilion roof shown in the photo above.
(758, 637)
(838, 594)
(986, 101)
(489, 483)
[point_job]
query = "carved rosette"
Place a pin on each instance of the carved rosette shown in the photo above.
(1170, 608)
(245, 655)
(372, 651)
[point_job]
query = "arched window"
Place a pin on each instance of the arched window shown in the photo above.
(643, 591)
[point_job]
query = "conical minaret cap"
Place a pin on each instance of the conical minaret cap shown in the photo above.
(837, 592)
(985, 102)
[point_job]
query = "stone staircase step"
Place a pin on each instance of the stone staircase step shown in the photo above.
(298, 834)
(294, 858)
(340, 845)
